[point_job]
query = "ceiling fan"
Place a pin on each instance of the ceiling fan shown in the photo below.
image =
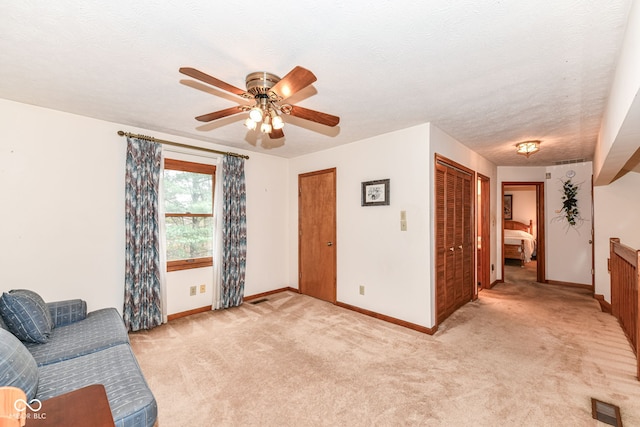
(268, 91)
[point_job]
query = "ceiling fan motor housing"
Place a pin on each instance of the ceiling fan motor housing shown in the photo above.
(261, 82)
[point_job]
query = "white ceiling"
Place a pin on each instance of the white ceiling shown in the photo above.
(489, 73)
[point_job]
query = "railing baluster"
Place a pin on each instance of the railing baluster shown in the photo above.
(624, 262)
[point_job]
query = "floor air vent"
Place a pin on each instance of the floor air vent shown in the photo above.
(258, 301)
(606, 412)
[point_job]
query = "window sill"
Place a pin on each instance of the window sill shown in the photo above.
(189, 264)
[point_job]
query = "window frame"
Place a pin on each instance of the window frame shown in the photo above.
(202, 168)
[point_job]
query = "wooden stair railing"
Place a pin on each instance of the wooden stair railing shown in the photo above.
(623, 265)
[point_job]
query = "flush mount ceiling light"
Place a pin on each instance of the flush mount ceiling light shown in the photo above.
(267, 91)
(527, 148)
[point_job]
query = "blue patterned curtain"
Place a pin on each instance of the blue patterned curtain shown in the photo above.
(234, 232)
(142, 305)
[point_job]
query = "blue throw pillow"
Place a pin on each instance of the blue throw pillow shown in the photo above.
(37, 299)
(26, 315)
(17, 366)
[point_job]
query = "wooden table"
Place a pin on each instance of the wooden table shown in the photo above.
(85, 407)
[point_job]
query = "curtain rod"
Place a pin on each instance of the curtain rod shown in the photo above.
(177, 144)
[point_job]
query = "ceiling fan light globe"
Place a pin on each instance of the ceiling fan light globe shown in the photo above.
(265, 128)
(250, 124)
(277, 122)
(255, 114)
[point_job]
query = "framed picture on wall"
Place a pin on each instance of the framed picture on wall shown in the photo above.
(375, 193)
(508, 206)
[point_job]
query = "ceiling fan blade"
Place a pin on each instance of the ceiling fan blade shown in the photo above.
(314, 116)
(296, 80)
(220, 114)
(199, 75)
(276, 134)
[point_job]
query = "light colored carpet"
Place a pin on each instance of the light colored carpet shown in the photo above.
(522, 355)
(513, 273)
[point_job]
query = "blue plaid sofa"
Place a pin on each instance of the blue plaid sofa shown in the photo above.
(48, 349)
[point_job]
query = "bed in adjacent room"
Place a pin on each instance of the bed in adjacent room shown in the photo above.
(519, 243)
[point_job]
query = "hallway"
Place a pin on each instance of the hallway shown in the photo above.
(513, 272)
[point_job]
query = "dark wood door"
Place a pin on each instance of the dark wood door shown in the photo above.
(317, 234)
(454, 239)
(442, 253)
(466, 243)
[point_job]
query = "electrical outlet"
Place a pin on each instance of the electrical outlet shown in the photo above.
(192, 291)
(203, 289)
(361, 289)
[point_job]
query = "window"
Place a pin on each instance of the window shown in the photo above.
(188, 196)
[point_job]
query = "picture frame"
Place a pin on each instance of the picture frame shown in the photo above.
(508, 206)
(376, 193)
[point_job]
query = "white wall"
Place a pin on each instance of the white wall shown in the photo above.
(62, 222)
(393, 265)
(619, 133)
(569, 254)
(616, 208)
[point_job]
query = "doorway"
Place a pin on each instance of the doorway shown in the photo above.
(527, 207)
(483, 230)
(317, 234)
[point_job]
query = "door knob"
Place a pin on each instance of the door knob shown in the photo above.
(460, 247)
(590, 241)
(451, 248)
(329, 243)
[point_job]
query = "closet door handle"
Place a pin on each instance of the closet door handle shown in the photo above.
(451, 248)
(460, 247)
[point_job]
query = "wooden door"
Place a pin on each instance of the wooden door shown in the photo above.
(454, 237)
(317, 234)
(466, 244)
(442, 254)
(455, 245)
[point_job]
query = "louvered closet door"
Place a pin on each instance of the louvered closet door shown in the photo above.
(468, 240)
(454, 240)
(458, 237)
(441, 249)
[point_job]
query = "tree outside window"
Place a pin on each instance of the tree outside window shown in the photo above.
(188, 194)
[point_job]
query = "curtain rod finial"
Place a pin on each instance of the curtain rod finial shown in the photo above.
(121, 133)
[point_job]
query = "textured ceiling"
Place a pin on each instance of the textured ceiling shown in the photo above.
(489, 73)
